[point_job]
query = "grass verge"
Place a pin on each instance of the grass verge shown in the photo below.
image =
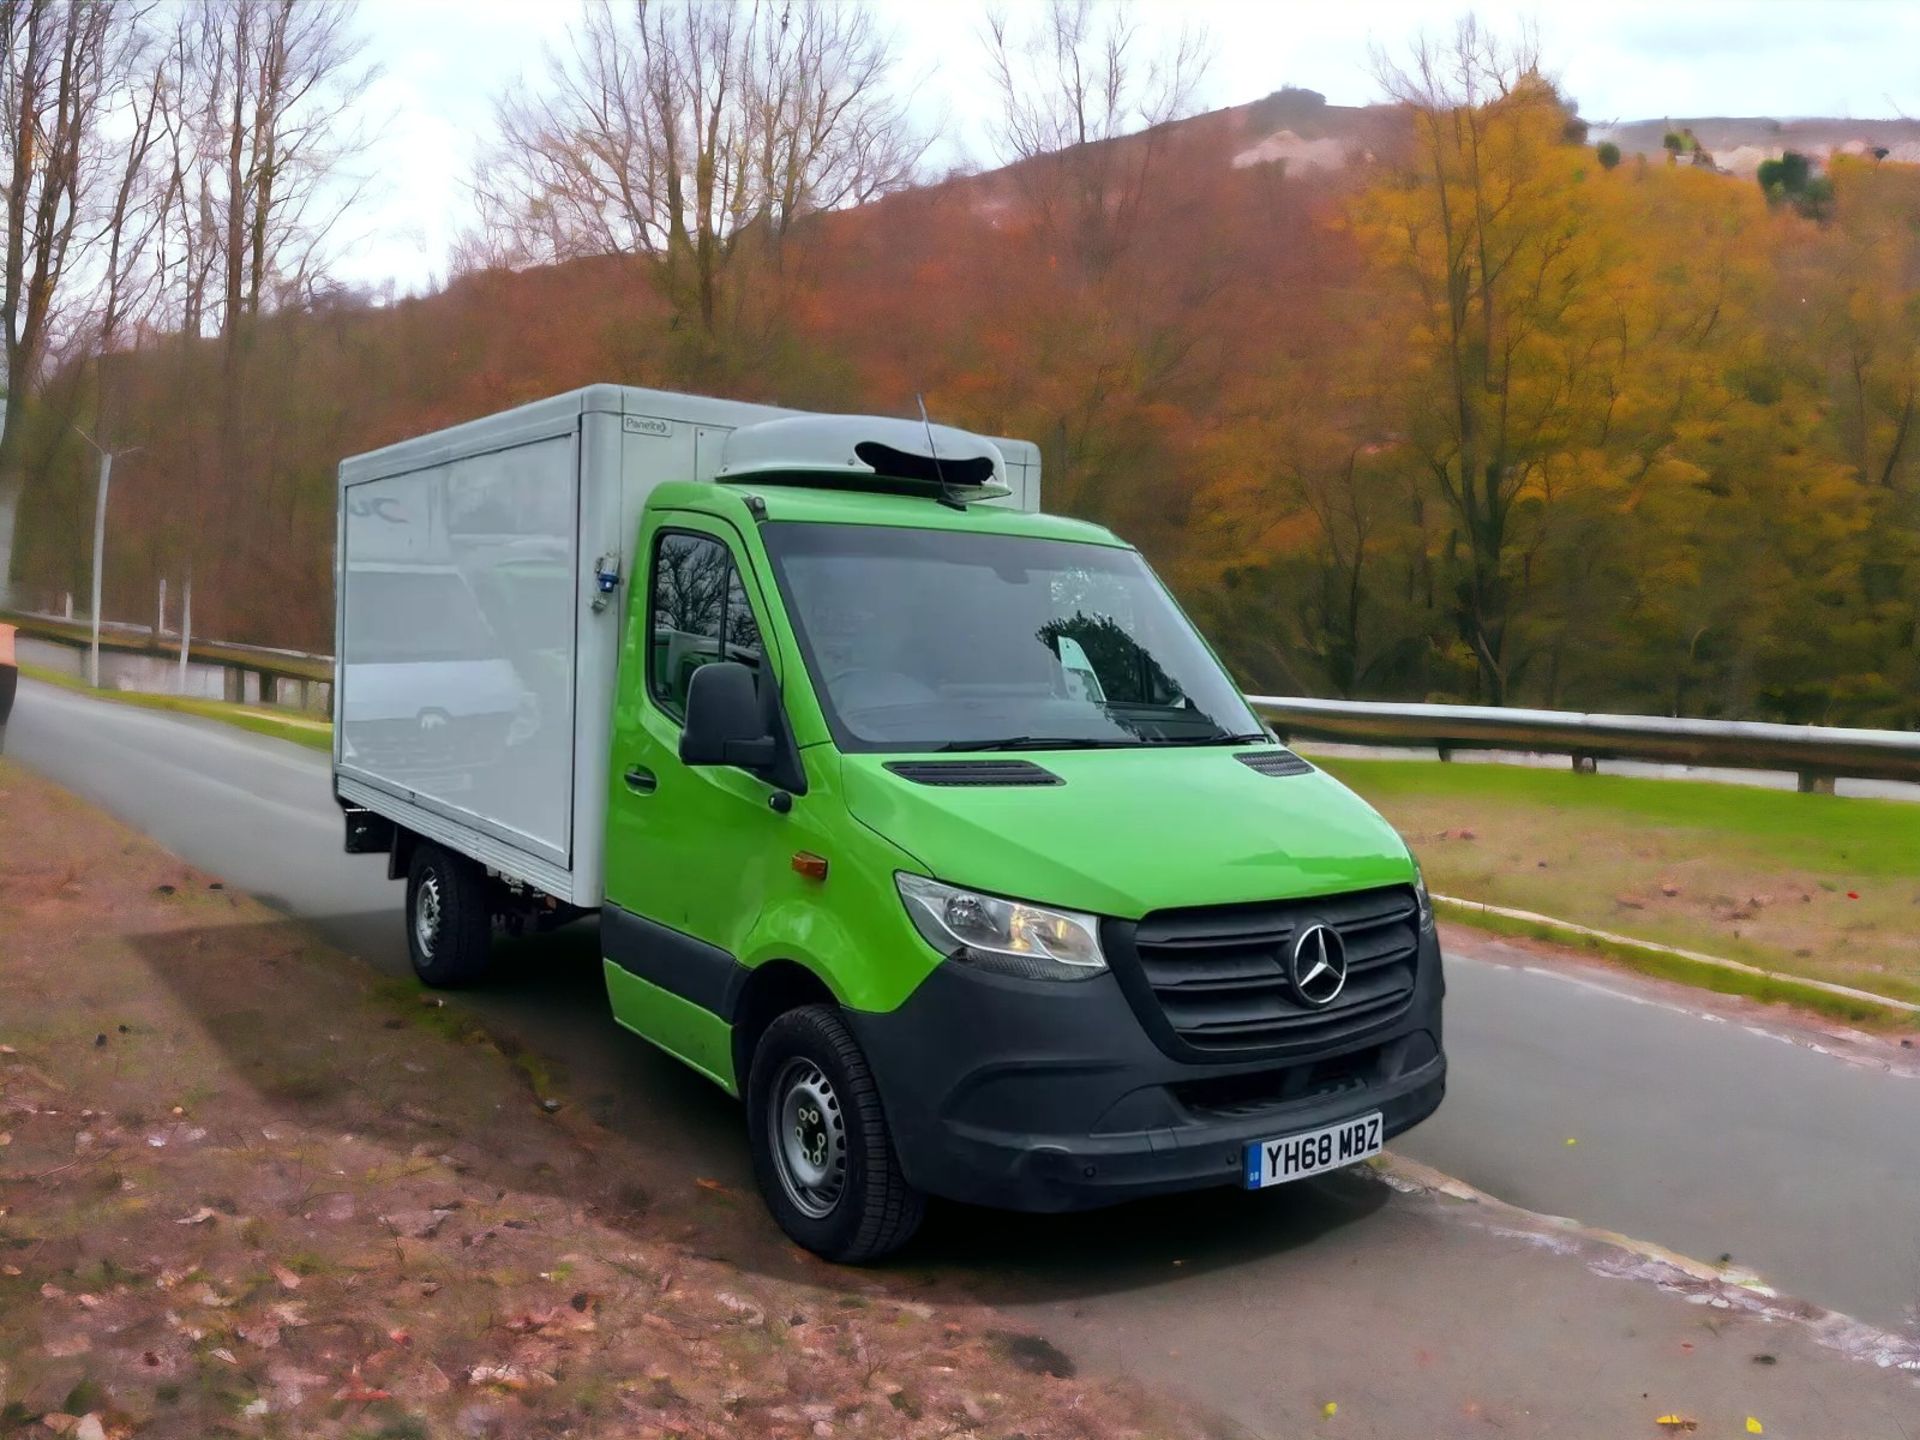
(1665, 965)
(315, 734)
(1820, 886)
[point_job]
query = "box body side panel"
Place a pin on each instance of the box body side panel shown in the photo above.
(456, 644)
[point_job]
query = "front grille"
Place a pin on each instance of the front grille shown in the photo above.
(1215, 977)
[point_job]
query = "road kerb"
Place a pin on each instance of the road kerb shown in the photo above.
(1617, 1256)
(1466, 909)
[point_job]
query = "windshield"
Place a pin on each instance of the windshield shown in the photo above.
(950, 640)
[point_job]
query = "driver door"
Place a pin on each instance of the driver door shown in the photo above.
(689, 849)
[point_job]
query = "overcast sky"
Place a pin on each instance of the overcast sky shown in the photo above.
(444, 60)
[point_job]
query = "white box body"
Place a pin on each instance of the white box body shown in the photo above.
(474, 679)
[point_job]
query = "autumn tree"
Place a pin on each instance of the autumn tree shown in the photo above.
(1485, 230)
(672, 130)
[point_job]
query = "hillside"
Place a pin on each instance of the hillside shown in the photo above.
(1684, 477)
(1739, 144)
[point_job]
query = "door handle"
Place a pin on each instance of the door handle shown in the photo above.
(641, 780)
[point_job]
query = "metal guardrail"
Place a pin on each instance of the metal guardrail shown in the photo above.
(140, 639)
(1818, 754)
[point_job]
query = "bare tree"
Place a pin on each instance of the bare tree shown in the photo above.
(1075, 83)
(60, 74)
(260, 123)
(258, 118)
(670, 128)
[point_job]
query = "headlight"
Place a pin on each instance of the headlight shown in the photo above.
(1421, 899)
(1003, 935)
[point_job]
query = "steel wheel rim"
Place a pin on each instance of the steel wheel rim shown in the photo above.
(426, 915)
(809, 1135)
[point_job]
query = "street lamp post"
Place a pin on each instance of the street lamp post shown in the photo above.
(99, 546)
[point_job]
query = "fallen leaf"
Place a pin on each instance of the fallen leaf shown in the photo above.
(1329, 1410)
(1853, 894)
(508, 1377)
(205, 1215)
(745, 1309)
(1572, 1141)
(89, 1428)
(1677, 1422)
(1754, 1427)
(286, 1277)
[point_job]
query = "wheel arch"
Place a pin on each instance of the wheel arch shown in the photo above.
(768, 991)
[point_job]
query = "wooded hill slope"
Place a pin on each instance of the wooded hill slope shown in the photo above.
(1468, 414)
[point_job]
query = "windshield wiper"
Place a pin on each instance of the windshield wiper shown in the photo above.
(1038, 742)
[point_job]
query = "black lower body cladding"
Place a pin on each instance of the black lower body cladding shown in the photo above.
(1047, 1096)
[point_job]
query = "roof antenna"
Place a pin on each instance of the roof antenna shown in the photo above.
(946, 496)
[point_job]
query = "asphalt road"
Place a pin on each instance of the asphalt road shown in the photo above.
(1708, 1136)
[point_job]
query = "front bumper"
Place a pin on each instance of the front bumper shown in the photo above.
(1046, 1096)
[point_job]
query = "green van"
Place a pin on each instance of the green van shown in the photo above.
(928, 824)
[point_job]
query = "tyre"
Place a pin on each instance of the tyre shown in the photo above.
(449, 917)
(822, 1153)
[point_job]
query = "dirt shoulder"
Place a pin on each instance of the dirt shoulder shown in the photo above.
(248, 1188)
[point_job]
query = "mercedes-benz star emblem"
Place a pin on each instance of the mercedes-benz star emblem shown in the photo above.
(1317, 967)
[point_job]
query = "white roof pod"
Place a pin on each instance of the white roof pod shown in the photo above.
(864, 448)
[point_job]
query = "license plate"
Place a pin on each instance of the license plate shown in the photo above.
(1294, 1157)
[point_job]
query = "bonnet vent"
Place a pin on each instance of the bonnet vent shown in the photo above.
(1274, 762)
(973, 772)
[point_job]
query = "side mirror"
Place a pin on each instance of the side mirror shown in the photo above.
(726, 720)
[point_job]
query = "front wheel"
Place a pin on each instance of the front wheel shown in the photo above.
(449, 917)
(822, 1153)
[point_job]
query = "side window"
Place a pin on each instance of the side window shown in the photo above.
(700, 614)
(739, 626)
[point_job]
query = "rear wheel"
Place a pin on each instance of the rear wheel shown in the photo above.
(822, 1153)
(449, 917)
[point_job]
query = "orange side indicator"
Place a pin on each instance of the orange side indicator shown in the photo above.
(813, 866)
